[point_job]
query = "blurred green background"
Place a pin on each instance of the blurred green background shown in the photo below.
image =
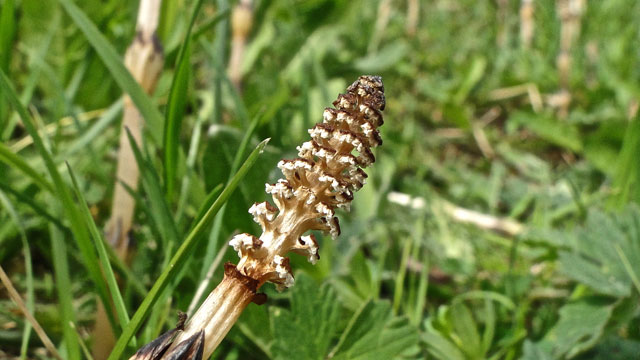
(499, 221)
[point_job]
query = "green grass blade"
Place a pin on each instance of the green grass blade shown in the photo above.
(213, 245)
(113, 61)
(180, 257)
(209, 23)
(211, 197)
(62, 193)
(8, 27)
(402, 272)
(171, 52)
(238, 104)
(63, 287)
(116, 296)
(83, 346)
(10, 158)
(97, 129)
(628, 171)
(33, 205)
(190, 171)
(176, 104)
(26, 333)
(159, 207)
(125, 272)
(173, 122)
(35, 71)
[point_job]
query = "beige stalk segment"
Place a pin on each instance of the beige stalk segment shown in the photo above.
(144, 60)
(241, 23)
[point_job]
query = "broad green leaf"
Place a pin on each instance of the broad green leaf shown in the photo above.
(602, 146)
(465, 331)
(374, 333)
(441, 348)
(384, 59)
(580, 326)
(615, 348)
(253, 324)
(305, 331)
(548, 128)
(532, 351)
(474, 74)
(490, 325)
(605, 254)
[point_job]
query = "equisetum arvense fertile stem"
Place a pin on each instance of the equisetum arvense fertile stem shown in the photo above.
(324, 177)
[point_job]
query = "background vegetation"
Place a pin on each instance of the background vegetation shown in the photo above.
(480, 125)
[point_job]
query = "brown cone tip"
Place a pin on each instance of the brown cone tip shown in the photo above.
(190, 349)
(156, 348)
(324, 177)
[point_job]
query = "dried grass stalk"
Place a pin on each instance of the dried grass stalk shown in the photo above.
(144, 59)
(570, 13)
(502, 16)
(324, 177)
(241, 23)
(527, 23)
(413, 12)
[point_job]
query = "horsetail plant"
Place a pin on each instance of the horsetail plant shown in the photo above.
(324, 177)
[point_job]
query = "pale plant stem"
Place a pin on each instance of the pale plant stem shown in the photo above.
(526, 23)
(570, 13)
(502, 19)
(219, 312)
(483, 221)
(413, 12)
(241, 23)
(144, 59)
(382, 20)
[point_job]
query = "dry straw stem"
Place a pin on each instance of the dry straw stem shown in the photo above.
(570, 13)
(241, 23)
(382, 20)
(413, 11)
(324, 177)
(526, 23)
(144, 60)
(502, 16)
(60, 125)
(482, 221)
(15, 296)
